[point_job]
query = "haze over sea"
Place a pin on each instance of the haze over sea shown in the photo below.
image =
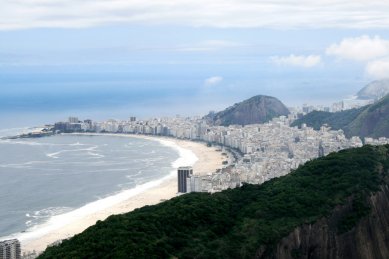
(44, 177)
(30, 98)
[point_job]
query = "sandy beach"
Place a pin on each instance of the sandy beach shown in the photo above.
(209, 160)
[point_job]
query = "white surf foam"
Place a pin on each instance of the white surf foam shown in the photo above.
(22, 165)
(56, 154)
(77, 144)
(186, 158)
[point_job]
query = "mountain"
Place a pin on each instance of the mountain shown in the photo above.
(337, 120)
(368, 121)
(375, 90)
(257, 109)
(332, 207)
(373, 121)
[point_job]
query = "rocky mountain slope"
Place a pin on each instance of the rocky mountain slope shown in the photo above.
(257, 109)
(368, 239)
(332, 207)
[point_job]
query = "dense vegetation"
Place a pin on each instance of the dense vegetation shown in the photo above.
(257, 109)
(336, 120)
(236, 223)
(368, 121)
(373, 120)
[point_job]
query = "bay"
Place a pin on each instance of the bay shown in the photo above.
(44, 177)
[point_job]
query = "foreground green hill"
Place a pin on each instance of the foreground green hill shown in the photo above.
(261, 221)
(368, 121)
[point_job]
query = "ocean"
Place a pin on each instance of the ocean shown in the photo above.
(46, 181)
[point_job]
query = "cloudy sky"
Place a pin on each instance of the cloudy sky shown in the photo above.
(117, 58)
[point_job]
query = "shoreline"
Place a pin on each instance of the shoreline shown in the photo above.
(208, 161)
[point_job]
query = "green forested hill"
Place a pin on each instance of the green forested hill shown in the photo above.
(373, 121)
(238, 223)
(337, 120)
(368, 121)
(257, 109)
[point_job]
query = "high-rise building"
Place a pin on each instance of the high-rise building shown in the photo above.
(10, 249)
(183, 173)
(73, 120)
(321, 149)
(194, 183)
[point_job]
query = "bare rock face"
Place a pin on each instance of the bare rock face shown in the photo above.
(369, 239)
(257, 109)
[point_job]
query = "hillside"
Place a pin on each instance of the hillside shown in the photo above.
(373, 121)
(257, 109)
(337, 120)
(375, 90)
(368, 121)
(343, 197)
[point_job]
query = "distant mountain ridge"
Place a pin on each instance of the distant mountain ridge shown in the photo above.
(373, 121)
(336, 120)
(368, 121)
(375, 90)
(257, 109)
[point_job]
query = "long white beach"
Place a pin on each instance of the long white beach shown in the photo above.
(208, 161)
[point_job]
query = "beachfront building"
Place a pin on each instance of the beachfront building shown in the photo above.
(183, 173)
(194, 183)
(73, 120)
(10, 249)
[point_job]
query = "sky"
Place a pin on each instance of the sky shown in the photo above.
(118, 58)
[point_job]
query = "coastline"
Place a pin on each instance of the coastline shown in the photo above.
(208, 161)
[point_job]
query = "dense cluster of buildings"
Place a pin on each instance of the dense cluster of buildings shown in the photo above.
(345, 104)
(267, 150)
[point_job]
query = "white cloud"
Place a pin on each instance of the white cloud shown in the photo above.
(19, 14)
(378, 69)
(295, 60)
(213, 80)
(362, 48)
(372, 50)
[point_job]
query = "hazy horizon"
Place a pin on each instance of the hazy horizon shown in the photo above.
(115, 59)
